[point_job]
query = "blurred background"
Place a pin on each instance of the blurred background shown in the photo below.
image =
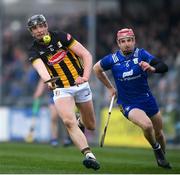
(94, 23)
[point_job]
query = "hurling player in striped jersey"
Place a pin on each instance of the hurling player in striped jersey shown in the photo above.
(58, 54)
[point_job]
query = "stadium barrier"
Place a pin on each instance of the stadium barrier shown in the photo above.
(15, 124)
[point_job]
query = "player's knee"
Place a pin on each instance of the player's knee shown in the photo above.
(148, 126)
(68, 123)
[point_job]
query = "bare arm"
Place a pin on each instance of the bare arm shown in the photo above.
(86, 57)
(101, 75)
(41, 69)
(43, 73)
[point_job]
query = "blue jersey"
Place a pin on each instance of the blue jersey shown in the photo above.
(130, 79)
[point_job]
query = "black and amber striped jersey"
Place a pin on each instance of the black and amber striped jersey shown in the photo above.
(58, 58)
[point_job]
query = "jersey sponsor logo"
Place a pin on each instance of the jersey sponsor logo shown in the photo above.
(130, 78)
(57, 58)
(127, 74)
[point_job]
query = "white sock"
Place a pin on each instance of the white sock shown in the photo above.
(90, 155)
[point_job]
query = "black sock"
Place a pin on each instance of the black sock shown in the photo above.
(86, 150)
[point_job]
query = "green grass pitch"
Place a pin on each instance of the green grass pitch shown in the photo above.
(17, 158)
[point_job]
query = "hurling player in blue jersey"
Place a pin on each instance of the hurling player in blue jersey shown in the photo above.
(129, 67)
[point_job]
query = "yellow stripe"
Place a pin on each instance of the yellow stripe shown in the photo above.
(33, 62)
(62, 75)
(72, 44)
(71, 67)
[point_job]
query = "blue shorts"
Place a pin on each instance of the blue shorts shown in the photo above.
(51, 95)
(149, 106)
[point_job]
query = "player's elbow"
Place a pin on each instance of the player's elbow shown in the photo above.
(96, 68)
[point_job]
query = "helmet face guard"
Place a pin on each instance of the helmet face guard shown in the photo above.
(35, 20)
